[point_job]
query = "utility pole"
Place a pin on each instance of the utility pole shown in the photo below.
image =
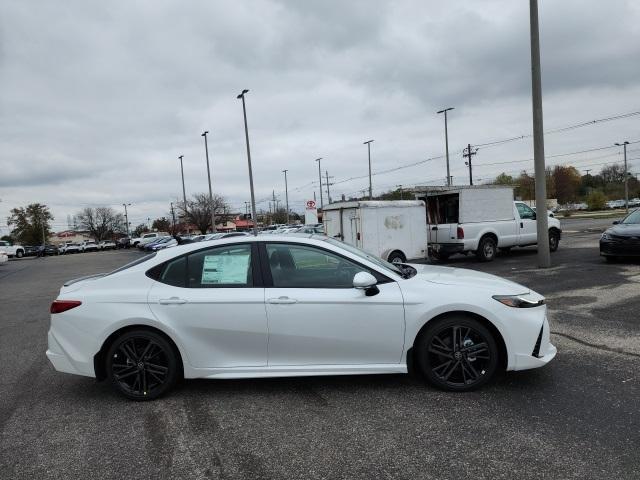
(320, 182)
(544, 255)
(286, 193)
(400, 188)
(368, 144)
(126, 216)
(446, 141)
(626, 176)
(213, 210)
(587, 171)
(468, 153)
(173, 217)
(246, 134)
(184, 192)
(328, 192)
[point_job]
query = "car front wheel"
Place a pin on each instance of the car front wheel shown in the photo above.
(457, 354)
(142, 365)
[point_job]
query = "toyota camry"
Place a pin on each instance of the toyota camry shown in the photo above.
(285, 305)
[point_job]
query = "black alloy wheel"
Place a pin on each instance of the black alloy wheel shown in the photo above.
(142, 365)
(554, 241)
(457, 354)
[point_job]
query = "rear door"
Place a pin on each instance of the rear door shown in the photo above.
(214, 299)
(315, 315)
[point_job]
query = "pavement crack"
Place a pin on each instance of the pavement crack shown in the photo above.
(597, 346)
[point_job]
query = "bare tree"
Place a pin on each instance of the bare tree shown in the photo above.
(198, 210)
(101, 222)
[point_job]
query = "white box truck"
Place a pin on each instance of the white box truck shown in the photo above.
(481, 220)
(393, 230)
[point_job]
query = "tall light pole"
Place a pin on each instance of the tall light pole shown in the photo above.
(184, 192)
(626, 176)
(254, 217)
(544, 255)
(126, 216)
(213, 213)
(286, 193)
(400, 188)
(446, 141)
(368, 144)
(320, 182)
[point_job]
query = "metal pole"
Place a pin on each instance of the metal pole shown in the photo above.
(328, 193)
(184, 192)
(173, 217)
(368, 144)
(626, 176)
(446, 141)
(544, 256)
(320, 180)
(126, 217)
(400, 187)
(286, 193)
(246, 134)
(213, 213)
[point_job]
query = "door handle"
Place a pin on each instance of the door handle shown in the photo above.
(282, 300)
(172, 301)
(521, 224)
(434, 228)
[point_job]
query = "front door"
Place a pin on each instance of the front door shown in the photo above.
(316, 317)
(527, 228)
(213, 299)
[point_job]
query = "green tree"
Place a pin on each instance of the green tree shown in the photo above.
(162, 224)
(504, 179)
(596, 200)
(31, 224)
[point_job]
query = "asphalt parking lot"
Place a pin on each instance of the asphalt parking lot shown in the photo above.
(579, 417)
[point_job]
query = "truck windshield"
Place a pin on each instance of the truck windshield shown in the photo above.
(367, 256)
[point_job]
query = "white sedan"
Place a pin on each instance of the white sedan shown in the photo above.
(282, 305)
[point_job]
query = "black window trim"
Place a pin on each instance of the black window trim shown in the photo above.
(155, 272)
(266, 268)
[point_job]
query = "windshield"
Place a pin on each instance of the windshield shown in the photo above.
(367, 256)
(633, 217)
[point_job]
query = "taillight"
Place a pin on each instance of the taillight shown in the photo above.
(460, 233)
(59, 306)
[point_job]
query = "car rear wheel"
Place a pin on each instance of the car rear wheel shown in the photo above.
(142, 365)
(396, 257)
(486, 249)
(19, 253)
(457, 353)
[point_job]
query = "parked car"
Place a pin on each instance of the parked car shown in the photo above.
(623, 239)
(66, 248)
(481, 220)
(31, 250)
(50, 249)
(147, 238)
(107, 245)
(315, 306)
(166, 242)
(124, 242)
(13, 250)
(149, 246)
(312, 229)
(220, 235)
(89, 246)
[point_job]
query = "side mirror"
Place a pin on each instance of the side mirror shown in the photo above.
(367, 282)
(616, 222)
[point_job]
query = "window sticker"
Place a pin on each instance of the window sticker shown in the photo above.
(225, 269)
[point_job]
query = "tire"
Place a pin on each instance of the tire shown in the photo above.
(486, 249)
(611, 259)
(440, 256)
(136, 377)
(464, 365)
(19, 254)
(554, 240)
(397, 257)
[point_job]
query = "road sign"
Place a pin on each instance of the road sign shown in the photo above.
(311, 204)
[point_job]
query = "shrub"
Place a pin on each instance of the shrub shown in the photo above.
(596, 200)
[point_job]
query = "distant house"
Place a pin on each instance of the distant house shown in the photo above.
(72, 236)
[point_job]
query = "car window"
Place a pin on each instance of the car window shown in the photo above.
(633, 217)
(175, 272)
(228, 266)
(301, 266)
(525, 212)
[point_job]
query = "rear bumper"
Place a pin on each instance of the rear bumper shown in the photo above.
(449, 248)
(63, 362)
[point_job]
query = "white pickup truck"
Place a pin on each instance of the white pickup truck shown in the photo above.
(480, 220)
(12, 250)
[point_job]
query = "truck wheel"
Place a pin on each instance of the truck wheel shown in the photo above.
(554, 240)
(19, 253)
(440, 256)
(486, 249)
(396, 257)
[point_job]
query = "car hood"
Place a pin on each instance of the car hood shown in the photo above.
(468, 278)
(625, 229)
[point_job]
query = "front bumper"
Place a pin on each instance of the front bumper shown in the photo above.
(620, 248)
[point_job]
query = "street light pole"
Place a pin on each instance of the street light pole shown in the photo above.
(254, 217)
(544, 255)
(446, 141)
(368, 144)
(126, 216)
(320, 182)
(626, 176)
(286, 193)
(213, 212)
(184, 192)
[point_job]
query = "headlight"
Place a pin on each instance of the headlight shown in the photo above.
(518, 301)
(605, 236)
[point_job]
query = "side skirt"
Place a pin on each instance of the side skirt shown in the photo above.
(294, 371)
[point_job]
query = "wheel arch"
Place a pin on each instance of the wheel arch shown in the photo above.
(503, 354)
(99, 358)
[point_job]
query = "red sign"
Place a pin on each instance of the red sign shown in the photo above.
(311, 204)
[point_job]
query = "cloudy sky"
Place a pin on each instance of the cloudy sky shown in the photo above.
(98, 99)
